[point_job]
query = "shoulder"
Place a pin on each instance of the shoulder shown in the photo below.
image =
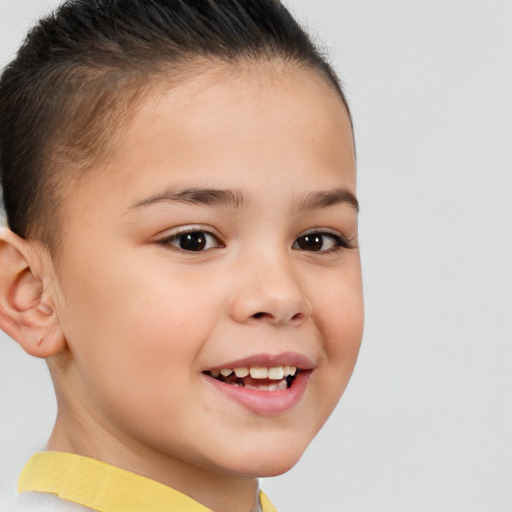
(44, 502)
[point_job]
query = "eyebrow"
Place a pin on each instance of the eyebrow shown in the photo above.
(322, 199)
(236, 198)
(200, 196)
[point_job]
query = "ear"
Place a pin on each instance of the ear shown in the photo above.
(27, 313)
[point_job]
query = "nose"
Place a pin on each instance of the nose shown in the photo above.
(271, 292)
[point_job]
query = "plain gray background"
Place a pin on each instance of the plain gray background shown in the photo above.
(426, 423)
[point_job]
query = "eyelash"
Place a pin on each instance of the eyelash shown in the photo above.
(339, 241)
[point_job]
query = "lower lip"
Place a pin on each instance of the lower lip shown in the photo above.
(265, 403)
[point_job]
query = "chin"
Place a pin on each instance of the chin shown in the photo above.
(267, 461)
(265, 468)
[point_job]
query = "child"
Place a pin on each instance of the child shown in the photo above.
(179, 182)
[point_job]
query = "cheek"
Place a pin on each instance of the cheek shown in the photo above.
(340, 316)
(340, 312)
(132, 325)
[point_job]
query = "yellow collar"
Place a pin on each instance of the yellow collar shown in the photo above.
(106, 488)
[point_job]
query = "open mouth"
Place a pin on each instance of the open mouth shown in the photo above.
(261, 378)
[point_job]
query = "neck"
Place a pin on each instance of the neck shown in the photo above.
(78, 433)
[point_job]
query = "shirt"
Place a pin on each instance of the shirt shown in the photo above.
(100, 486)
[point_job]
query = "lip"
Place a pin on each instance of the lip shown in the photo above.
(269, 360)
(264, 403)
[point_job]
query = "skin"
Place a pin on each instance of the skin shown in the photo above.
(141, 319)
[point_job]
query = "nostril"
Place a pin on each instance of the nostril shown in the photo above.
(261, 314)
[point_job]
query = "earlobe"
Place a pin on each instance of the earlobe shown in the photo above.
(26, 314)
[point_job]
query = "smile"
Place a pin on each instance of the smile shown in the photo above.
(261, 378)
(265, 385)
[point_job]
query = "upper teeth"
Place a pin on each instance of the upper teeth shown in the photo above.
(257, 372)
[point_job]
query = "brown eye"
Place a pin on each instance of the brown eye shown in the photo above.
(313, 242)
(193, 241)
(319, 242)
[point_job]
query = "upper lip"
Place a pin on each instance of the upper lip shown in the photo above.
(269, 360)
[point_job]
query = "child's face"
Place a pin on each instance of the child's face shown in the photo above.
(247, 163)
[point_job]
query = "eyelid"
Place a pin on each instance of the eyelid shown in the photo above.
(320, 230)
(187, 228)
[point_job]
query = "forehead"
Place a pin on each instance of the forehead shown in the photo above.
(226, 128)
(234, 109)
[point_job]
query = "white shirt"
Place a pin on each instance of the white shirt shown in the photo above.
(44, 502)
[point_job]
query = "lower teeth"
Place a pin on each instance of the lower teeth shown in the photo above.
(282, 384)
